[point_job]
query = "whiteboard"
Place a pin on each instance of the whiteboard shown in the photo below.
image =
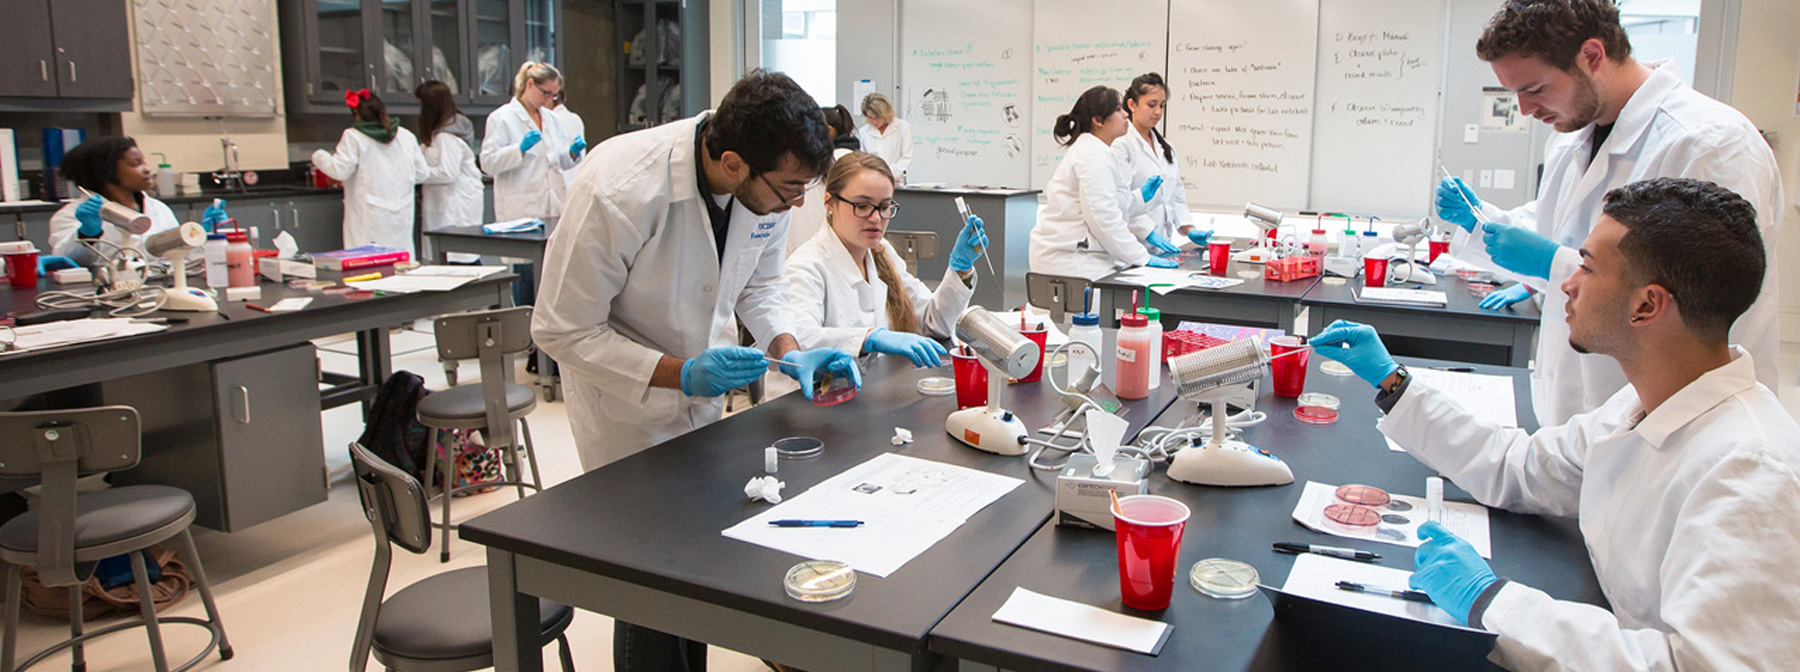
(1241, 78)
(965, 88)
(1079, 44)
(1376, 126)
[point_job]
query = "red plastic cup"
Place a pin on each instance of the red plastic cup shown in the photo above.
(1148, 532)
(1289, 371)
(971, 379)
(1437, 247)
(1037, 336)
(21, 269)
(1218, 255)
(1374, 271)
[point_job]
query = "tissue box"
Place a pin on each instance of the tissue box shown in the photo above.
(279, 269)
(1081, 497)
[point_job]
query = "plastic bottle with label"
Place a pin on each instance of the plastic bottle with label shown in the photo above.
(1134, 355)
(166, 179)
(1154, 319)
(217, 276)
(1084, 327)
(238, 262)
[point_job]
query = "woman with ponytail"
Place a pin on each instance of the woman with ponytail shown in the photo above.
(1143, 154)
(1088, 226)
(378, 162)
(526, 149)
(850, 289)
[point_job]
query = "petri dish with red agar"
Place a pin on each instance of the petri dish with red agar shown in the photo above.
(1363, 495)
(1352, 519)
(830, 390)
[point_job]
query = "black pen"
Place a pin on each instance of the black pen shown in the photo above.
(1408, 595)
(1457, 369)
(1331, 551)
(816, 523)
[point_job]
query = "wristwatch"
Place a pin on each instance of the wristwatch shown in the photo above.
(1388, 394)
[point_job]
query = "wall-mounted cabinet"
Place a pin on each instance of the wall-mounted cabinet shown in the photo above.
(392, 46)
(663, 67)
(65, 55)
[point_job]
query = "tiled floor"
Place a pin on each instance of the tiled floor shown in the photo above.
(290, 589)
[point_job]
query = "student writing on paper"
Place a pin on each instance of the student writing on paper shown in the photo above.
(1617, 121)
(1685, 481)
(1087, 228)
(1144, 154)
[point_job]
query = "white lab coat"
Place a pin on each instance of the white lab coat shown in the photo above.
(632, 273)
(1140, 159)
(378, 182)
(1688, 516)
(1666, 130)
(809, 218)
(572, 127)
(834, 307)
(65, 240)
(895, 145)
(522, 184)
(453, 191)
(1089, 226)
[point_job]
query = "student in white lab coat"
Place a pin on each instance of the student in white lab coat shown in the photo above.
(1618, 121)
(885, 135)
(115, 170)
(378, 162)
(525, 146)
(808, 218)
(453, 191)
(1144, 153)
(571, 123)
(1685, 482)
(1088, 225)
(850, 289)
(669, 233)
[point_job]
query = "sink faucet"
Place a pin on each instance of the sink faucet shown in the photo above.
(230, 177)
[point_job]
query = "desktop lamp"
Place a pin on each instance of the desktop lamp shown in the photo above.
(1267, 220)
(1410, 235)
(174, 245)
(1215, 376)
(1005, 354)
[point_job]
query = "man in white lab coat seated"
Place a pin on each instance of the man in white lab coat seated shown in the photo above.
(1618, 121)
(1685, 482)
(666, 234)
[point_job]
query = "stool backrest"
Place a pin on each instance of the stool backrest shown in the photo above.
(489, 336)
(1058, 294)
(393, 501)
(913, 246)
(57, 446)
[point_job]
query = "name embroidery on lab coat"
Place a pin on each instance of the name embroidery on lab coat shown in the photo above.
(763, 230)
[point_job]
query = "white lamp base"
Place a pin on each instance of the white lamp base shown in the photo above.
(995, 430)
(189, 300)
(1234, 463)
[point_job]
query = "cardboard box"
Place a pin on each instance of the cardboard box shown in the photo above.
(1082, 499)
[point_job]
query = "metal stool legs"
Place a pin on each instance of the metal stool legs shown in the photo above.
(512, 477)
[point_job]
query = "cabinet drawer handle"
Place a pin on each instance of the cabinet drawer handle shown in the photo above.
(44, 69)
(72, 77)
(294, 212)
(244, 404)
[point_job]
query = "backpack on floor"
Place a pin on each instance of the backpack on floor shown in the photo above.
(393, 431)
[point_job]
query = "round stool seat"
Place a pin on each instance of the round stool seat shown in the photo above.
(106, 516)
(464, 404)
(446, 617)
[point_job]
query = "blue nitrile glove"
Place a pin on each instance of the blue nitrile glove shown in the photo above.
(807, 365)
(88, 213)
(719, 370)
(971, 243)
(1518, 249)
(1161, 245)
(1363, 351)
(577, 147)
(1452, 208)
(924, 352)
(1449, 570)
(1159, 262)
(51, 262)
(1501, 298)
(214, 216)
(531, 139)
(1200, 237)
(1150, 187)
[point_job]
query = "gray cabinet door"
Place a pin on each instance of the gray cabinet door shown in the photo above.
(93, 48)
(269, 435)
(26, 55)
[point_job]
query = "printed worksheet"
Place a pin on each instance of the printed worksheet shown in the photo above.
(1400, 518)
(1488, 397)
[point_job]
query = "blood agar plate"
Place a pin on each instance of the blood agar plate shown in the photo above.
(1222, 578)
(937, 386)
(799, 447)
(1352, 519)
(820, 581)
(1315, 415)
(1334, 368)
(1363, 495)
(1334, 282)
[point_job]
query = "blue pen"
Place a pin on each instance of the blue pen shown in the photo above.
(816, 523)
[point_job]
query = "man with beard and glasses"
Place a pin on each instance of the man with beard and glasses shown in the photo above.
(1618, 121)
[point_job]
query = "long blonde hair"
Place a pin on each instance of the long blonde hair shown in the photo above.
(877, 106)
(536, 73)
(901, 316)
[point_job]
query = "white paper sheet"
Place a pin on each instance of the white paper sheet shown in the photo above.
(429, 279)
(1033, 318)
(906, 504)
(69, 332)
(1406, 297)
(1316, 577)
(1075, 620)
(290, 304)
(1489, 398)
(1172, 279)
(1399, 524)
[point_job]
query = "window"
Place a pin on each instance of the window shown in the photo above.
(799, 37)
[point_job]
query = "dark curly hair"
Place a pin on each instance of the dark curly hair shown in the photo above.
(766, 116)
(1554, 31)
(95, 163)
(1098, 102)
(1697, 240)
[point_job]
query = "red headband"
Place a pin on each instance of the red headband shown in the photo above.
(355, 98)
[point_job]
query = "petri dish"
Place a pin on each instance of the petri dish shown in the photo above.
(1334, 281)
(1318, 399)
(833, 390)
(1315, 415)
(338, 290)
(1333, 367)
(1362, 495)
(1249, 275)
(799, 447)
(819, 581)
(1224, 579)
(1352, 519)
(937, 386)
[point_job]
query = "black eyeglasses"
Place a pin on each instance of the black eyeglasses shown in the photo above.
(887, 210)
(784, 197)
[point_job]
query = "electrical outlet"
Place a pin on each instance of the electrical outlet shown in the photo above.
(1503, 179)
(1471, 134)
(1487, 179)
